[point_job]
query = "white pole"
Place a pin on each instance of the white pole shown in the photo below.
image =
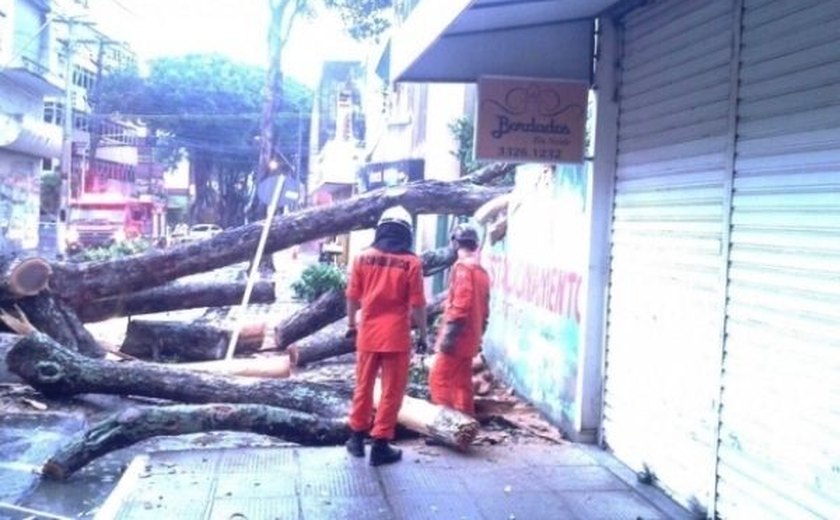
(65, 194)
(255, 265)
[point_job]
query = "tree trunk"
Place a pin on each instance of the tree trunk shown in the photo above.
(22, 275)
(54, 318)
(80, 283)
(56, 371)
(330, 341)
(175, 296)
(329, 307)
(139, 423)
(332, 305)
(176, 340)
(326, 343)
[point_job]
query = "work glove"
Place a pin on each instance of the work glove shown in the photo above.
(420, 346)
(350, 333)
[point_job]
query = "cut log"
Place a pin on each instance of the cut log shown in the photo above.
(82, 282)
(22, 275)
(197, 341)
(332, 305)
(326, 343)
(451, 427)
(139, 423)
(330, 341)
(277, 367)
(56, 371)
(175, 296)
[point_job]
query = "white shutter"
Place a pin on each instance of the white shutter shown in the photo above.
(665, 294)
(779, 452)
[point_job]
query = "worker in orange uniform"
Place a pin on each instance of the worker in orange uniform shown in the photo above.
(386, 284)
(465, 316)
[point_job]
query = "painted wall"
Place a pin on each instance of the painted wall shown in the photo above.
(535, 337)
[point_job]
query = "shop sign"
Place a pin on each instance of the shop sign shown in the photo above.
(523, 120)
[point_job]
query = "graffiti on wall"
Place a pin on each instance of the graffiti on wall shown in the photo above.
(534, 335)
(19, 204)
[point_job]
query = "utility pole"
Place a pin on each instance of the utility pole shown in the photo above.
(299, 161)
(96, 121)
(67, 141)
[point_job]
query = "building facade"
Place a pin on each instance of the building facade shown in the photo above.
(25, 141)
(704, 311)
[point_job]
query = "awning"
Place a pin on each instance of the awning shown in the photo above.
(458, 41)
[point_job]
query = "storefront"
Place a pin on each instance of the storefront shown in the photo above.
(707, 354)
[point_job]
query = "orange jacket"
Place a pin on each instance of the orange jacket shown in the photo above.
(388, 286)
(469, 301)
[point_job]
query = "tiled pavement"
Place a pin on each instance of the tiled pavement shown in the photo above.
(502, 482)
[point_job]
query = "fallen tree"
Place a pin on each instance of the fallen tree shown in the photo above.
(84, 282)
(56, 371)
(139, 423)
(175, 295)
(332, 305)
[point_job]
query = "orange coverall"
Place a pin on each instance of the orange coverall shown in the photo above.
(387, 286)
(450, 379)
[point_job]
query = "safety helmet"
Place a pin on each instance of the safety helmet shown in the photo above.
(465, 233)
(396, 215)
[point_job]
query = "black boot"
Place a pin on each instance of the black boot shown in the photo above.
(356, 444)
(382, 453)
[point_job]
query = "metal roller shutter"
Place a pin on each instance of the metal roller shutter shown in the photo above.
(779, 454)
(666, 282)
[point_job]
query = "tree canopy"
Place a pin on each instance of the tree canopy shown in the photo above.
(209, 107)
(364, 19)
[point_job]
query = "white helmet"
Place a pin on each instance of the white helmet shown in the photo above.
(396, 215)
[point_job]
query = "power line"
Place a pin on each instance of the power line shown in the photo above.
(123, 7)
(193, 116)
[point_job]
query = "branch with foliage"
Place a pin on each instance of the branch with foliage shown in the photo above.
(364, 19)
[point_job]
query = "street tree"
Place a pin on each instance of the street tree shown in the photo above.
(208, 107)
(283, 15)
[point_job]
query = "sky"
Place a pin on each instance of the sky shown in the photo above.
(235, 28)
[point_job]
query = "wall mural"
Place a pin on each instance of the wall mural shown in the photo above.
(534, 335)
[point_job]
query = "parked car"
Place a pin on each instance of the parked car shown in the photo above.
(203, 231)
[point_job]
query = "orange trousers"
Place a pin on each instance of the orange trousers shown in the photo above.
(394, 366)
(450, 382)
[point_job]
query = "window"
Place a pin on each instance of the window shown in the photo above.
(83, 78)
(54, 112)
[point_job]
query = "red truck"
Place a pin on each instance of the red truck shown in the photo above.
(99, 219)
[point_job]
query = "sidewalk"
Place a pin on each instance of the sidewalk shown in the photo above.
(505, 482)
